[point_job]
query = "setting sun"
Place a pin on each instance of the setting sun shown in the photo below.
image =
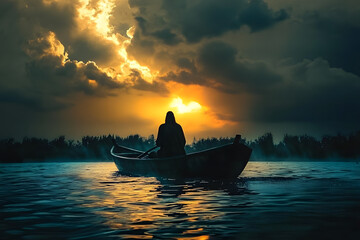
(178, 104)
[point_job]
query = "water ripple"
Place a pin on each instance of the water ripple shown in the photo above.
(91, 200)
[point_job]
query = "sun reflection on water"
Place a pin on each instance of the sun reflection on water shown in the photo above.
(90, 201)
(143, 205)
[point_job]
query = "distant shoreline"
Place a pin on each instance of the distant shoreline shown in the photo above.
(291, 148)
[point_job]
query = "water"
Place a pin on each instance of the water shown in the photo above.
(271, 200)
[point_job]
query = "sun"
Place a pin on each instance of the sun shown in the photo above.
(177, 103)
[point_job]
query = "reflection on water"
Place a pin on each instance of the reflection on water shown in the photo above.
(90, 200)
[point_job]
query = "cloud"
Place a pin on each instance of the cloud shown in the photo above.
(141, 84)
(52, 50)
(166, 36)
(260, 31)
(195, 20)
(89, 48)
(326, 29)
(121, 18)
(219, 60)
(178, 28)
(48, 62)
(72, 27)
(184, 77)
(217, 65)
(312, 92)
(336, 34)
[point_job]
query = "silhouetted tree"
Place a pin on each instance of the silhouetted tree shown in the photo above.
(292, 143)
(310, 147)
(207, 143)
(265, 144)
(346, 147)
(10, 151)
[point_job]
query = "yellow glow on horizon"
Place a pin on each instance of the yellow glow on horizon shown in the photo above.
(136, 112)
(184, 108)
(197, 119)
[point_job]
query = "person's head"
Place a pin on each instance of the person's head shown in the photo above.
(170, 118)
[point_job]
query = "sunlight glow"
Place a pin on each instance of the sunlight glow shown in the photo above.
(93, 83)
(54, 47)
(182, 108)
(98, 17)
(133, 64)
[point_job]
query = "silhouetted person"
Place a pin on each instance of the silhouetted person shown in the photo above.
(170, 138)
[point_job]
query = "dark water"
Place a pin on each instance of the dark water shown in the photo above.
(275, 200)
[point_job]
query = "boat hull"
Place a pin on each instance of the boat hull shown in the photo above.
(223, 162)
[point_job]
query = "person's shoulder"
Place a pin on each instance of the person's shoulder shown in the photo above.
(178, 125)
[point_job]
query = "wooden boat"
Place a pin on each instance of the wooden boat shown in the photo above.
(227, 161)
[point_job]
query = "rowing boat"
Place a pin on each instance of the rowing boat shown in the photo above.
(226, 161)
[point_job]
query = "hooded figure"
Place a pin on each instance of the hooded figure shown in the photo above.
(170, 138)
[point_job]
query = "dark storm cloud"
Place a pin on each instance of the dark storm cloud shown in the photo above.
(336, 35)
(52, 76)
(199, 19)
(218, 61)
(87, 48)
(326, 29)
(141, 84)
(93, 72)
(56, 16)
(163, 25)
(35, 17)
(185, 63)
(166, 36)
(312, 92)
(185, 77)
(187, 73)
(213, 18)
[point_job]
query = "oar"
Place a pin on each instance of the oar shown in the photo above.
(143, 154)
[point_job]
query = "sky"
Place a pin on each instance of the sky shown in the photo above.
(93, 67)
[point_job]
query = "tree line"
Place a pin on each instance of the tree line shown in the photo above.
(97, 147)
